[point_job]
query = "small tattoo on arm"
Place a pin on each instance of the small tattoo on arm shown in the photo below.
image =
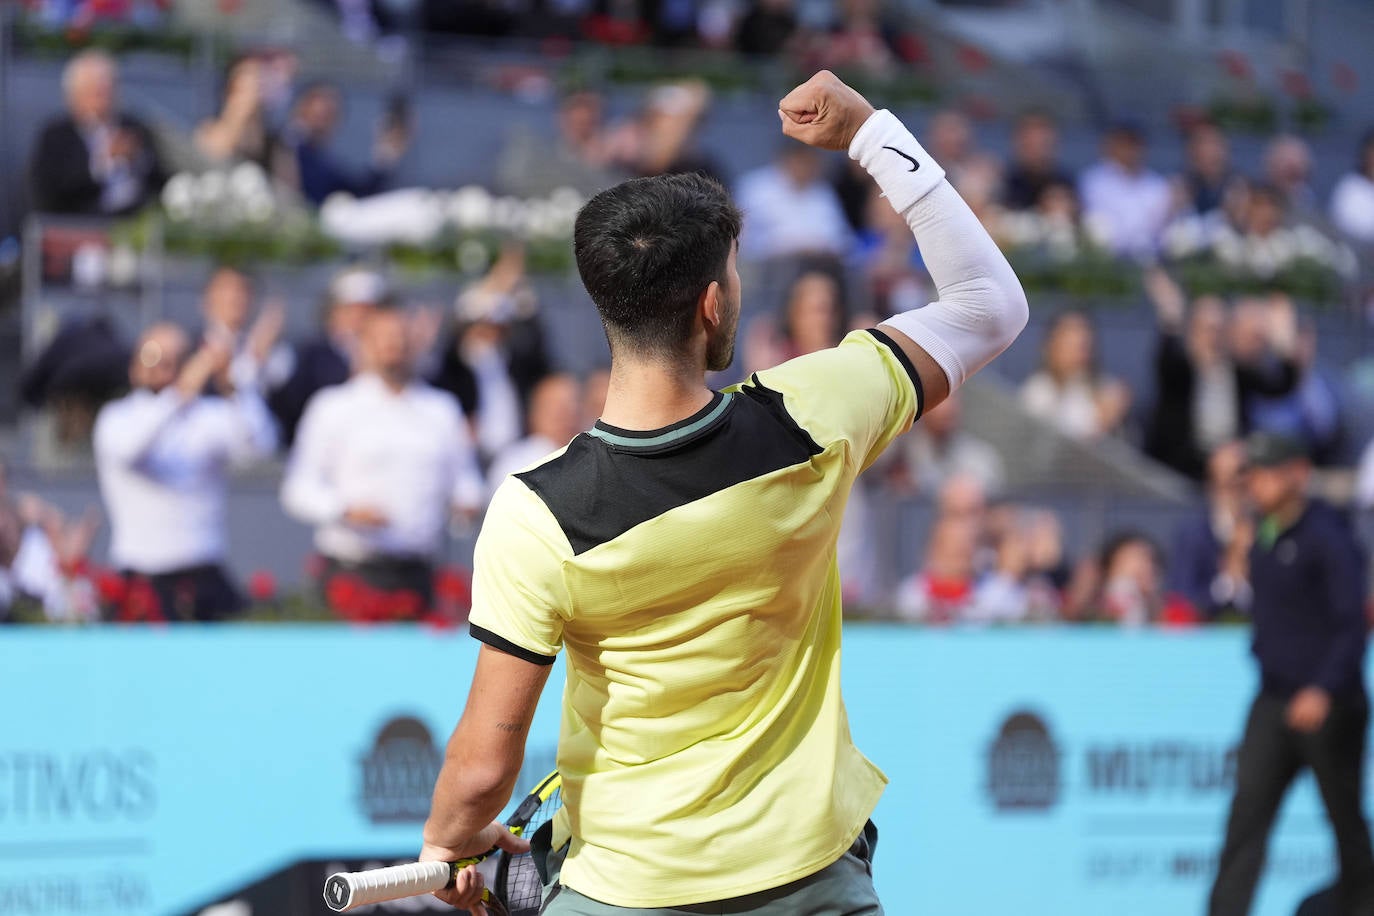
(511, 727)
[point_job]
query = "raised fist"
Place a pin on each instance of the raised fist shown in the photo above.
(824, 112)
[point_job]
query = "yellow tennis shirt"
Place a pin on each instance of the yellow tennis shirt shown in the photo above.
(689, 573)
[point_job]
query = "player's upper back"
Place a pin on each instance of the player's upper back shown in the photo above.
(714, 534)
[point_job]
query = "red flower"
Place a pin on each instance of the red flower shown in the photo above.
(913, 50)
(111, 588)
(1236, 65)
(1345, 77)
(1187, 117)
(406, 605)
(344, 594)
(439, 622)
(454, 585)
(262, 586)
(1178, 612)
(141, 604)
(972, 59)
(609, 30)
(1296, 84)
(980, 107)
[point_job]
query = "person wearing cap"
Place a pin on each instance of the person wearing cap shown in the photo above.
(1125, 203)
(1306, 576)
(327, 359)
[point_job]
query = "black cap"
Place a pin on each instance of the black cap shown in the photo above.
(1269, 450)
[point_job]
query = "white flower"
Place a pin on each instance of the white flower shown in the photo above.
(247, 180)
(568, 201)
(409, 215)
(211, 190)
(1061, 242)
(1098, 229)
(178, 196)
(1261, 256)
(1184, 237)
(1282, 247)
(542, 220)
(123, 267)
(473, 257)
(508, 214)
(1020, 229)
(1344, 261)
(260, 207)
(1229, 248)
(470, 207)
(1310, 243)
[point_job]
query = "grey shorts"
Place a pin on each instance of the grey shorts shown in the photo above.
(842, 888)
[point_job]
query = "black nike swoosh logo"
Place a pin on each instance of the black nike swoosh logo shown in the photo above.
(914, 164)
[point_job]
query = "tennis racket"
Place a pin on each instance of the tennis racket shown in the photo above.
(513, 885)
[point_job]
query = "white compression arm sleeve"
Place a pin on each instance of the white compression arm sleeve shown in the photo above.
(981, 306)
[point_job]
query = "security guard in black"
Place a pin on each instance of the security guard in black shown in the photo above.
(1310, 632)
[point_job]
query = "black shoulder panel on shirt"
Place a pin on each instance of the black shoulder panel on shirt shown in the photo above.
(598, 490)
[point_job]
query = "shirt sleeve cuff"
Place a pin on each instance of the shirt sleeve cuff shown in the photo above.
(902, 168)
(500, 643)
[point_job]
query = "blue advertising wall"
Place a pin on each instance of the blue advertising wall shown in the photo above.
(1036, 772)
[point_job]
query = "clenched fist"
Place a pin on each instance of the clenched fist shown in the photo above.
(824, 112)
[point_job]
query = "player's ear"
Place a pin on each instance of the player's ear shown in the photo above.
(711, 304)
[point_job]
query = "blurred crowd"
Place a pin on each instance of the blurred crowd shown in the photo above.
(862, 34)
(396, 419)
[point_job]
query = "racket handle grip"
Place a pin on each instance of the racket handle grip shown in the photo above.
(349, 890)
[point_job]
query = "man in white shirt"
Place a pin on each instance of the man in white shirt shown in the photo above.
(378, 465)
(791, 209)
(163, 455)
(1125, 204)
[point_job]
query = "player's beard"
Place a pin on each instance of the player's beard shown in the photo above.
(720, 349)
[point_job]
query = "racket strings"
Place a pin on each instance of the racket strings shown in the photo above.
(523, 890)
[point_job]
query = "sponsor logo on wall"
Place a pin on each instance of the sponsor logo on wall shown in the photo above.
(1023, 765)
(62, 811)
(398, 773)
(1141, 810)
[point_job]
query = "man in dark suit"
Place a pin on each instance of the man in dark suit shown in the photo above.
(327, 359)
(320, 172)
(1210, 365)
(95, 159)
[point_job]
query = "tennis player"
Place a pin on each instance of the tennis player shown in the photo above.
(682, 553)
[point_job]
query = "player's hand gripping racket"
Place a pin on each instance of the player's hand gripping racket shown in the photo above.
(512, 881)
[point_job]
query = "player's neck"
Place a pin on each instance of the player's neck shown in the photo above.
(644, 396)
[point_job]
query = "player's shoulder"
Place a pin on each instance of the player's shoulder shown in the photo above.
(516, 508)
(835, 368)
